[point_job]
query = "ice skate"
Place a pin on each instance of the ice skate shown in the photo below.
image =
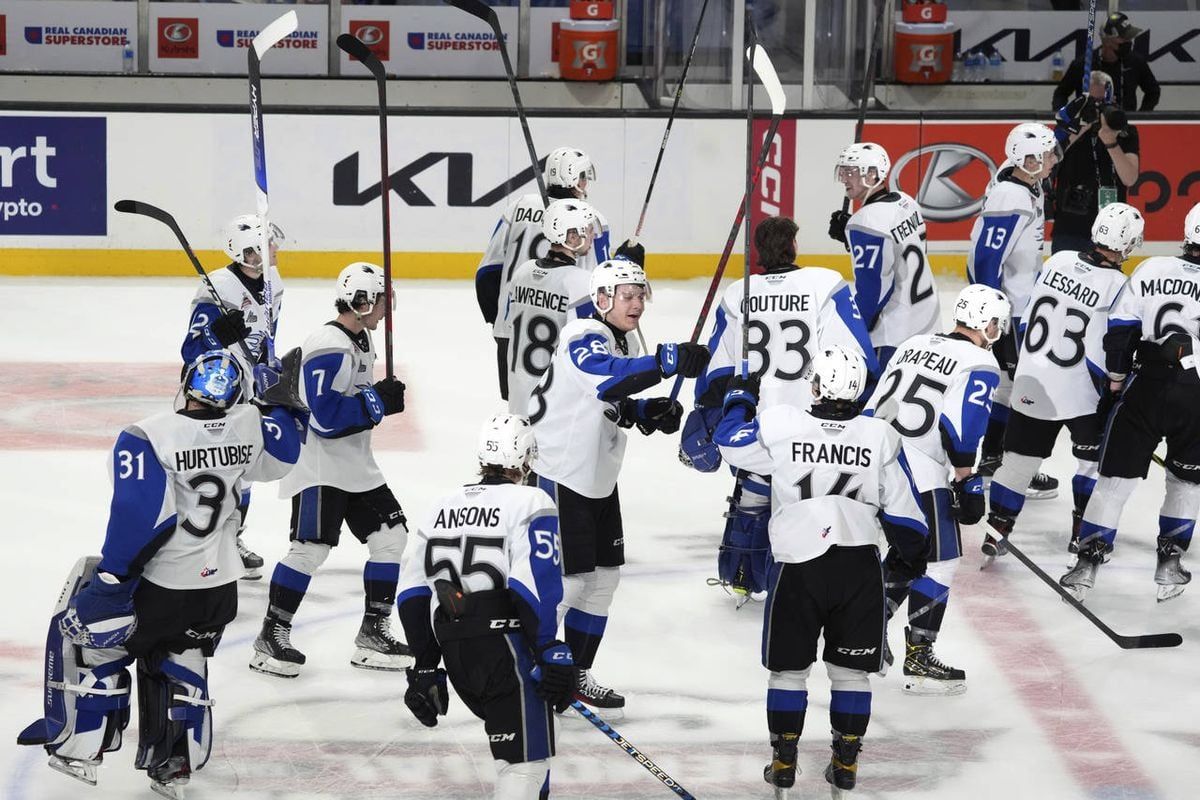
(1076, 521)
(78, 768)
(169, 778)
(781, 772)
(595, 696)
(1042, 487)
(273, 651)
(994, 540)
(1082, 577)
(252, 562)
(924, 673)
(1170, 575)
(376, 648)
(842, 771)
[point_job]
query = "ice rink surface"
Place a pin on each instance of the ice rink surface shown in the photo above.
(1053, 708)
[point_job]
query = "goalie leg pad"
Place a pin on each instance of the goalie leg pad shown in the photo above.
(745, 555)
(174, 715)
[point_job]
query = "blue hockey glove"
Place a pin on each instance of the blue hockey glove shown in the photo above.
(427, 697)
(966, 499)
(742, 392)
(557, 674)
(686, 358)
(102, 614)
(696, 447)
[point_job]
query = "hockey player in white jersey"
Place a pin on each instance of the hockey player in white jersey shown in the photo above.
(245, 324)
(1061, 369)
(1006, 254)
(486, 570)
(165, 585)
(581, 406)
(837, 477)
(1151, 353)
(794, 311)
(337, 480)
(937, 392)
(543, 295)
(893, 284)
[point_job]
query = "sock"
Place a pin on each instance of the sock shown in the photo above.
(926, 608)
(785, 710)
(849, 712)
(1179, 531)
(379, 586)
(583, 632)
(1005, 502)
(1081, 489)
(287, 590)
(993, 437)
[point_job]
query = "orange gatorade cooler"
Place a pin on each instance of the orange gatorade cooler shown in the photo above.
(924, 53)
(587, 49)
(923, 11)
(591, 9)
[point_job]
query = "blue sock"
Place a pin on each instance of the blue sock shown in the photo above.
(785, 710)
(849, 712)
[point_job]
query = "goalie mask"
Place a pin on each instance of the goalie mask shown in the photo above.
(214, 378)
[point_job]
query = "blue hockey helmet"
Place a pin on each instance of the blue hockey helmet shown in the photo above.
(214, 378)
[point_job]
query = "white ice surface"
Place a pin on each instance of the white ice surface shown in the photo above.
(1053, 710)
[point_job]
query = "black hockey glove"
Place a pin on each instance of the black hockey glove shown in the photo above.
(427, 697)
(661, 414)
(686, 358)
(634, 252)
(837, 226)
(558, 675)
(284, 388)
(391, 394)
(229, 328)
(624, 413)
(966, 499)
(742, 392)
(1108, 399)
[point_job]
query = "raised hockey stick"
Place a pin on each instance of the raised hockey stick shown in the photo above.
(1087, 53)
(632, 751)
(662, 148)
(156, 213)
(868, 84)
(1124, 642)
(747, 216)
(267, 38)
(477, 8)
(354, 47)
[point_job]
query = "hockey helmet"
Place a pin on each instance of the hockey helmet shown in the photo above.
(864, 156)
(566, 165)
(214, 378)
(1029, 139)
(507, 441)
(838, 373)
(563, 216)
(360, 284)
(245, 233)
(1191, 226)
(1118, 227)
(607, 276)
(977, 305)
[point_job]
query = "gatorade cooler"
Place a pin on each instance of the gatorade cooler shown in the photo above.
(587, 49)
(924, 53)
(595, 9)
(923, 11)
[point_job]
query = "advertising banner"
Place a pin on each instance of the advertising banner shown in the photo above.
(212, 39)
(431, 40)
(53, 176)
(775, 193)
(65, 36)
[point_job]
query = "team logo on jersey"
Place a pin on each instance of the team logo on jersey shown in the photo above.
(246, 301)
(825, 532)
(1025, 401)
(208, 572)
(945, 168)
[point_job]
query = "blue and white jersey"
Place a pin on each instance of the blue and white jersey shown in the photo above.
(793, 313)
(893, 284)
(937, 393)
(1062, 338)
(177, 481)
(578, 445)
(518, 238)
(834, 481)
(1006, 239)
(335, 383)
(236, 292)
(1161, 298)
(543, 296)
(490, 536)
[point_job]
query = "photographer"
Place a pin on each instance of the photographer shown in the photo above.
(1116, 57)
(1100, 162)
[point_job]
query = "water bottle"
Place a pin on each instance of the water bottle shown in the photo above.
(995, 67)
(1056, 66)
(957, 75)
(128, 64)
(974, 66)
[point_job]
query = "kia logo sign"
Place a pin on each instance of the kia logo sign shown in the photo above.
(178, 32)
(953, 179)
(370, 34)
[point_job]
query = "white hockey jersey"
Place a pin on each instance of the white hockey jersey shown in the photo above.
(337, 451)
(1063, 338)
(578, 445)
(180, 475)
(543, 296)
(236, 293)
(1006, 239)
(833, 480)
(488, 536)
(937, 392)
(1162, 297)
(893, 284)
(518, 238)
(793, 312)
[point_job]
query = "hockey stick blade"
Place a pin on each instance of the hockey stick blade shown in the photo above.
(354, 47)
(275, 33)
(1124, 642)
(767, 76)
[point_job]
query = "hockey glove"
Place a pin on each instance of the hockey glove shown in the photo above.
(280, 388)
(102, 614)
(696, 447)
(391, 394)
(966, 499)
(427, 697)
(632, 252)
(837, 226)
(229, 328)
(686, 358)
(1108, 401)
(662, 414)
(558, 674)
(742, 392)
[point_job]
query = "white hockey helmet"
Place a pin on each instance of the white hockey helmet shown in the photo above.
(607, 276)
(566, 165)
(1118, 227)
(1191, 226)
(864, 156)
(563, 216)
(507, 441)
(245, 233)
(1029, 139)
(838, 373)
(977, 305)
(360, 284)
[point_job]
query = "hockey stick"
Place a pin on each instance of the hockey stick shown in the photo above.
(1124, 642)
(662, 148)
(477, 8)
(354, 47)
(1087, 55)
(154, 212)
(267, 38)
(868, 84)
(747, 216)
(632, 751)
(770, 80)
